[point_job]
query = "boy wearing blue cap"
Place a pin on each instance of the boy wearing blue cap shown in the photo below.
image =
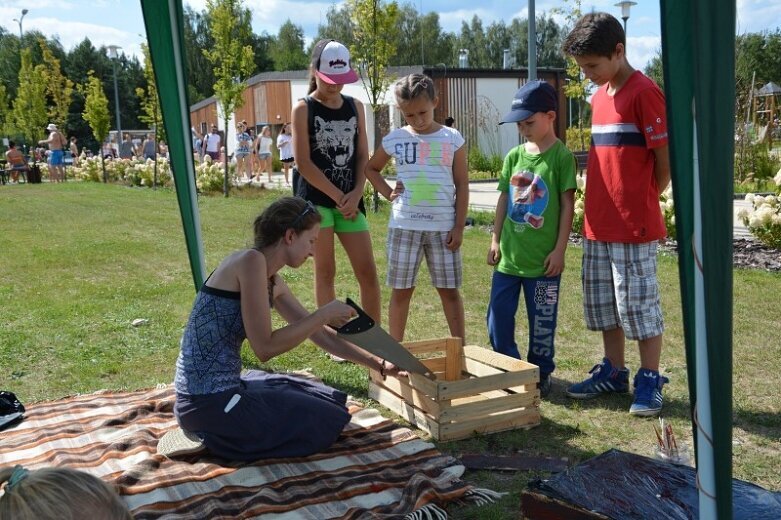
(531, 229)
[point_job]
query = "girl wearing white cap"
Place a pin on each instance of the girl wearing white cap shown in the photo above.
(331, 151)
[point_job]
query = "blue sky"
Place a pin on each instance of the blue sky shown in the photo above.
(119, 22)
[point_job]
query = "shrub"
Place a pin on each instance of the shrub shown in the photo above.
(580, 199)
(577, 139)
(754, 162)
(481, 162)
(668, 211)
(763, 220)
(209, 176)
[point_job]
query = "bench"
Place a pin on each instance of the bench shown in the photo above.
(6, 170)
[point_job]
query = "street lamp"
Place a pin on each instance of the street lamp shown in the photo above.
(19, 21)
(625, 7)
(112, 53)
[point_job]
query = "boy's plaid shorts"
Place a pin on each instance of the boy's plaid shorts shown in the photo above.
(620, 288)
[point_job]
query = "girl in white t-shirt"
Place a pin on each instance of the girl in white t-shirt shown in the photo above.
(430, 202)
(285, 146)
(263, 145)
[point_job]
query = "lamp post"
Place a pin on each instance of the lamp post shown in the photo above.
(112, 53)
(19, 21)
(625, 7)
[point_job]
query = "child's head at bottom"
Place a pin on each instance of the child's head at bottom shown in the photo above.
(57, 494)
(534, 109)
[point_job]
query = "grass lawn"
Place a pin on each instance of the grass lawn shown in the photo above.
(81, 261)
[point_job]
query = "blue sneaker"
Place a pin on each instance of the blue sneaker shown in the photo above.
(605, 378)
(648, 393)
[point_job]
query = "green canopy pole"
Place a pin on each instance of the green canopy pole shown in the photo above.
(698, 52)
(164, 28)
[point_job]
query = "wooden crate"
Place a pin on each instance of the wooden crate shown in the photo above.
(476, 391)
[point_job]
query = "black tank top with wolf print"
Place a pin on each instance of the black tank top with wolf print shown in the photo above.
(333, 140)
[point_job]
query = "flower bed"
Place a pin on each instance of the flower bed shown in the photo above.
(139, 172)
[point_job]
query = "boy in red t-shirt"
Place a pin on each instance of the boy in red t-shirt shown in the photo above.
(628, 167)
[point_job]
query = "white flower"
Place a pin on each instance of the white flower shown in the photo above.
(672, 220)
(758, 200)
(580, 181)
(771, 199)
(754, 221)
(579, 204)
(750, 197)
(668, 192)
(776, 219)
(579, 212)
(743, 213)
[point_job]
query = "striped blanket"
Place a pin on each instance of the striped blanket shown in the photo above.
(376, 469)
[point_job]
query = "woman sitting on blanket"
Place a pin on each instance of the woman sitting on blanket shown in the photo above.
(259, 415)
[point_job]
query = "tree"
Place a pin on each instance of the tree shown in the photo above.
(578, 85)
(434, 47)
(149, 99)
(229, 25)
(5, 113)
(261, 50)
(338, 26)
(29, 117)
(200, 73)
(287, 50)
(96, 112)
(374, 28)
(654, 69)
(59, 88)
(472, 38)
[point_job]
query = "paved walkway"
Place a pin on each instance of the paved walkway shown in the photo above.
(483, 197)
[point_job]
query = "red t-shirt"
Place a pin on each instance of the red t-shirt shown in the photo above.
(622, 198)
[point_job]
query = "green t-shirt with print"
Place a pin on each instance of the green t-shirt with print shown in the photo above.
(533, 183)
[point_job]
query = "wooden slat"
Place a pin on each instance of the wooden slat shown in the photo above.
(424, 384)
(508, 421)
(488, 406)
(455, 359)
(397, 405)
(401, 388)
(478, 369)
(437, 365)
(452, 389)
(496, 360)
(425, 346)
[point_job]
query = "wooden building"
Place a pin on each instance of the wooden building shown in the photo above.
(476, 98)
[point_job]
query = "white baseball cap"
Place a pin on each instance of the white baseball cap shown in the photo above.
(331, 61)
(51, 127)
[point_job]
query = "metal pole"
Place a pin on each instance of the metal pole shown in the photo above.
(532, 43)
(116, 104)
(420, 23)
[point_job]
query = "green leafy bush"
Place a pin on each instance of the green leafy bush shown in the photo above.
(578, 140)
(763, 220)
(580, 200)
(754, 162)
(484, 163)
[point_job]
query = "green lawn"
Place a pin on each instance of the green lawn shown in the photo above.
(80, 261)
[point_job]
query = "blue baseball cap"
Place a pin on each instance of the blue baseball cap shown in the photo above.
(533, 97)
